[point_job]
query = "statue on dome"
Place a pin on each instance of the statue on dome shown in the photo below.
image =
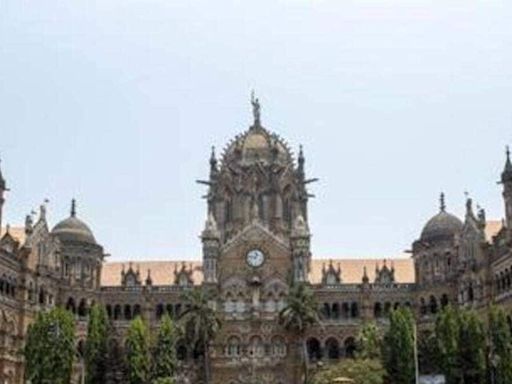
(256, 109)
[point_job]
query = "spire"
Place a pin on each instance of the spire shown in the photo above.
(301, 161)
(2, 180)
(442, 203)
(506, 175)
(149, 280)
(256, 110)
(73, 207)
(366, 279)
(213, 159)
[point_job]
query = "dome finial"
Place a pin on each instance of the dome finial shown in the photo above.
(73, 207)
(442, 203)
(256, 109)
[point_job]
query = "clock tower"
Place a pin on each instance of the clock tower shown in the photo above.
(256, 239)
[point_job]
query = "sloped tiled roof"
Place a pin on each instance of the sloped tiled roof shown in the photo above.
(352, 269)
(17, 232)
(492, 228)
(162, 272)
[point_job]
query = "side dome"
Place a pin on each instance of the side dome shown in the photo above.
(73, 229)
(444, 225)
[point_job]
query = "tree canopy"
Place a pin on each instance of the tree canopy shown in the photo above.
(398, 347)
(50, 348)
(96, 345)
(138, 352)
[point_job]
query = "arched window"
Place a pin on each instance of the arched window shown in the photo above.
(42, 295)
(377, 310)
(444, 300)
(423, 307)
(108, 308)
(345, 310)
(335, 311)
(471, 293)
(82, 308)
(127, 312)
(332, 347)
(433, 304)
(314, 349)
(233, 347)
(136, 310)
(117, 312)
(354, 310)
(159, 311)
(70, 305)
(327, 310)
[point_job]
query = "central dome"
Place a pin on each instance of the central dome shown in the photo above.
(73, 229)
(257, 145)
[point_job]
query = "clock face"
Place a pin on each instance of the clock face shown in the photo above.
(255, 258)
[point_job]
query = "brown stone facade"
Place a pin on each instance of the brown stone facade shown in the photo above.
(256, 242)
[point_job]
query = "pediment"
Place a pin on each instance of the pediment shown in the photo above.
(255, 233)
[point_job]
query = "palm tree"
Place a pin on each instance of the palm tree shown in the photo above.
(201, 323)
(299, 315)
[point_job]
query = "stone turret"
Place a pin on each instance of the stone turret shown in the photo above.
(211, 249)
(506, 180)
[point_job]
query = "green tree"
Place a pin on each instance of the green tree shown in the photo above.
(398, 347)
(501, 346)
(50, 348)
(428, 355)
(201, 324)
(138, 352)
(96, 345)
(361, 371)
(471, 348)
(447, 337)
(300, 314)
(369, 342)
(165, 361)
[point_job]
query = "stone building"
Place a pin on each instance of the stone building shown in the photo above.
(256, 241)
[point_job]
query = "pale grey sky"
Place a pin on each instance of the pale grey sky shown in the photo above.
(118, 102)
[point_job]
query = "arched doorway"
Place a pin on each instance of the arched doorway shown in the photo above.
(332, 348)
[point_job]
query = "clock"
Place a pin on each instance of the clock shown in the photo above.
(255, 258)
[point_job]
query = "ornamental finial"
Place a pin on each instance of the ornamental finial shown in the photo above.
(442, 203)
(73, 207)
(256, 109)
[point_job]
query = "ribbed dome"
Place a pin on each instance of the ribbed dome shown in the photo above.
(73, 229)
